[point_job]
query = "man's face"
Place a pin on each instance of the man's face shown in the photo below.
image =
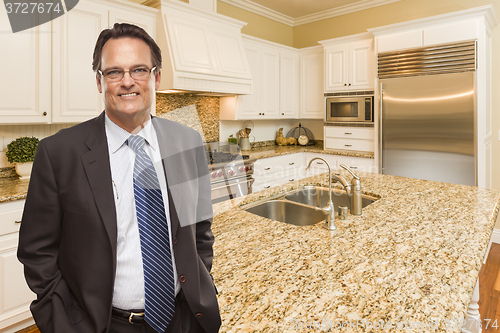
(127, 101)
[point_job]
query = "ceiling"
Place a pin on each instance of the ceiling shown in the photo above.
(296, 12)
(298, 8)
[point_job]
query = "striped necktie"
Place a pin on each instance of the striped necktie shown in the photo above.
(155, 239)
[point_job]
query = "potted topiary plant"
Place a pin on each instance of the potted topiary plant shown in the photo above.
(21, 151)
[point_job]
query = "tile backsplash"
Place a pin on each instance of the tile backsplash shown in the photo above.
(196, 111)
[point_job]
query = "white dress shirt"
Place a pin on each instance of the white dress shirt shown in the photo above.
(128, 292)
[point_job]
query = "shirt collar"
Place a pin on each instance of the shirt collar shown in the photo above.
(117, 135)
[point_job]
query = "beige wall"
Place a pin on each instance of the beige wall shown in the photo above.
(258, 26)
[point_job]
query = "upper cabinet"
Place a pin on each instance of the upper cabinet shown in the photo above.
(311, 101)
(54, 63)
(275, 74)
(74, 91)
(26, 73)
(349, 63)
(431, 34)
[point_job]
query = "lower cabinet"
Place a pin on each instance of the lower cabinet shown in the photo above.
(15, 296)
(276, 171)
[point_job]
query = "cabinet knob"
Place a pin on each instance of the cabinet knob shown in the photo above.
(349, 84)
(44, 114)
(347, 133)
(348, 145)
(291, 180)
(345, 84)
(268, 186)
(267, 168)
(353, 167)
(282, 114)
(18, 222)
(291, 163)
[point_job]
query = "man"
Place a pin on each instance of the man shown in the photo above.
(103, 249)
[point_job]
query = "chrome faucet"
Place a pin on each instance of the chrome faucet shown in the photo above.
(329, 210)
(354, 192)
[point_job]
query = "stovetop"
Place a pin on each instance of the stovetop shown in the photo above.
(224, 157)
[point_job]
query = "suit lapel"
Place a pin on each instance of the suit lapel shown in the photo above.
(98, 171)
(166, 142)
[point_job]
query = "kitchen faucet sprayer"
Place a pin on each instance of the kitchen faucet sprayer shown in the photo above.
(329, 210)
(355, 193)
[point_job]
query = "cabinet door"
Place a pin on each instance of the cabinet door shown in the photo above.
(249, 105)
(336, 67)
(270, 84)
(25, 83)
(361, 63)
(74, 89)
(312, 102)
(289, 85)
(400, 41)
(15, 295)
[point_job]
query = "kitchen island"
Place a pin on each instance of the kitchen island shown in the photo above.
(410, 261)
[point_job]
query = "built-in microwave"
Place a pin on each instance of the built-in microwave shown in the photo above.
(349, 108)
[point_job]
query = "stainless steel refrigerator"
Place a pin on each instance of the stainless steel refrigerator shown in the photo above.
(427, 126)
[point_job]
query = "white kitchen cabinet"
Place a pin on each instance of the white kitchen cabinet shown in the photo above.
(289, 85)
(15, 295)
(400, 40)
(312, 101)
(349, 63)
(25, 83)
(363, 164)
(432, 34)
(276, 171)
(50, 66)
(75, 97)
(275, 75)
(349, 138)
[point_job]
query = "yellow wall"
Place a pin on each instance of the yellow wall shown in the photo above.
(258, 26)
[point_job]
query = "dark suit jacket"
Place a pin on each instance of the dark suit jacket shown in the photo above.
(67, 240)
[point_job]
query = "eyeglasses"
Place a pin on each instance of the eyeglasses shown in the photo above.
(138, 73)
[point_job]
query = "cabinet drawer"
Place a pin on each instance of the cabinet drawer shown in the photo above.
(346, 144)
(357, 163)
(278, 163)
(349, 132)
(10, 216)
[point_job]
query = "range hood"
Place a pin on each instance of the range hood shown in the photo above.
(202, 51)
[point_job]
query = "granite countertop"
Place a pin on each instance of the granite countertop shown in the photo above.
(275, 150)
(12, 188)
(412, 258)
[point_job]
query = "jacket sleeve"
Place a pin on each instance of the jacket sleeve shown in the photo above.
(204, 237)
(39, 238)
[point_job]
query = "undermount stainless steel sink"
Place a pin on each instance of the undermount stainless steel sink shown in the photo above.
(297, 206)
(288, 212)
(317, 196)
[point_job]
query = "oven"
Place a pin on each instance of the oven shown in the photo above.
(231, 175)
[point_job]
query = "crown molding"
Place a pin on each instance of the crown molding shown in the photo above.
(261, 10)
(258, 9)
